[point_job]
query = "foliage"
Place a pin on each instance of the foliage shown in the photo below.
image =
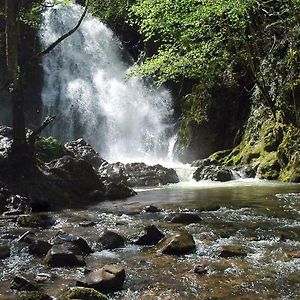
(49, 149)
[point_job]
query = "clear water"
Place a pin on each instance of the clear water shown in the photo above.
(260, 216)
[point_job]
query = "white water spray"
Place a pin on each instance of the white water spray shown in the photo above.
(85, 86)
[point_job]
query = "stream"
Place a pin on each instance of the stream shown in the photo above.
(260, 216)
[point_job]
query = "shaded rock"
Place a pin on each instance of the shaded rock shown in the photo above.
(107, 279)
(82, 150)
(212, 207)
(111, 240)
(40, 220)
(138, 174)
(83, 294)
(203, 163)
(186, 218)
(42, 277)
(4, 252)
(233, 251)
(152, 209)
(64, 255)
(35, 295)
(39, 247)
(23, 283)
(214, 173)
(118, 191)
(78, 241)
(87, 224)
(151, 237)
(28, 237)
(178, 243)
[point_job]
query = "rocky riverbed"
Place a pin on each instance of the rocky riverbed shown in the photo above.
(214, 241)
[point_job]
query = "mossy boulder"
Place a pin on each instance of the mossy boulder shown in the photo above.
(35, 295)
(83, 294)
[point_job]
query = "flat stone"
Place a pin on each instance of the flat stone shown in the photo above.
(78, 241)
(107, 279)
(233, 251)
(23, 283)
(152, 209)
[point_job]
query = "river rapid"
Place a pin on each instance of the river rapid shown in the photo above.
(259, 216)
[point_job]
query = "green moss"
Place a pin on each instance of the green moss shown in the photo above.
(82, 293)
(49, 149)
(33, 296)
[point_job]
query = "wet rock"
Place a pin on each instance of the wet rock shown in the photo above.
(203, 163)
(294, 254)
(78, 241)
(211, 208)
(35, 295)
(42, 277)
(201, 268)
(83, 294)
(118, 191)
(64, 255)
(178, 243)
(152, 209)
(110, 278)
(151, 237)
(111, 240)
(186, 218)
(39, 247)
(138, 174)
(82, 150)
(214, 173)
(23, 283)
(233, 251)
(40, 220)
(4, 252)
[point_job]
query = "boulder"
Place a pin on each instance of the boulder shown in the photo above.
(186, 218)
(111, 240)
(178, 243)
(27, 237)
(214, 173)
(39, 247)
(78, 241)
(109, 278)
(233, 251)
(151, 237)
(82, 150)
(118, 191)
(138, 174)
(23, 283)
(4, 252)
(64, 255)
(82, 293)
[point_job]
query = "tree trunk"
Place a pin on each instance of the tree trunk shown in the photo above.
(19, 149)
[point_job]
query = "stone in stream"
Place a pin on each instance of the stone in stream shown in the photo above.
(82, 293)
(186, 218)
(87, 224)
(78, 241)
(213, 172)
(64, 255)
(151, 237)
(152, 209)
(232, 251)
(201, 268)
(4, 252)
(39, 247)
(23, 283)
(111, 240)
(178, 243)
(27, 237)
(109, 278)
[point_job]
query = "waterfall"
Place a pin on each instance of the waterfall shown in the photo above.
(86, 86)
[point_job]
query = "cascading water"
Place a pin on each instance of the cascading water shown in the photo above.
(85, 85)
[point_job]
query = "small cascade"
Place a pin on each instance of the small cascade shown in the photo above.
(86, 86)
